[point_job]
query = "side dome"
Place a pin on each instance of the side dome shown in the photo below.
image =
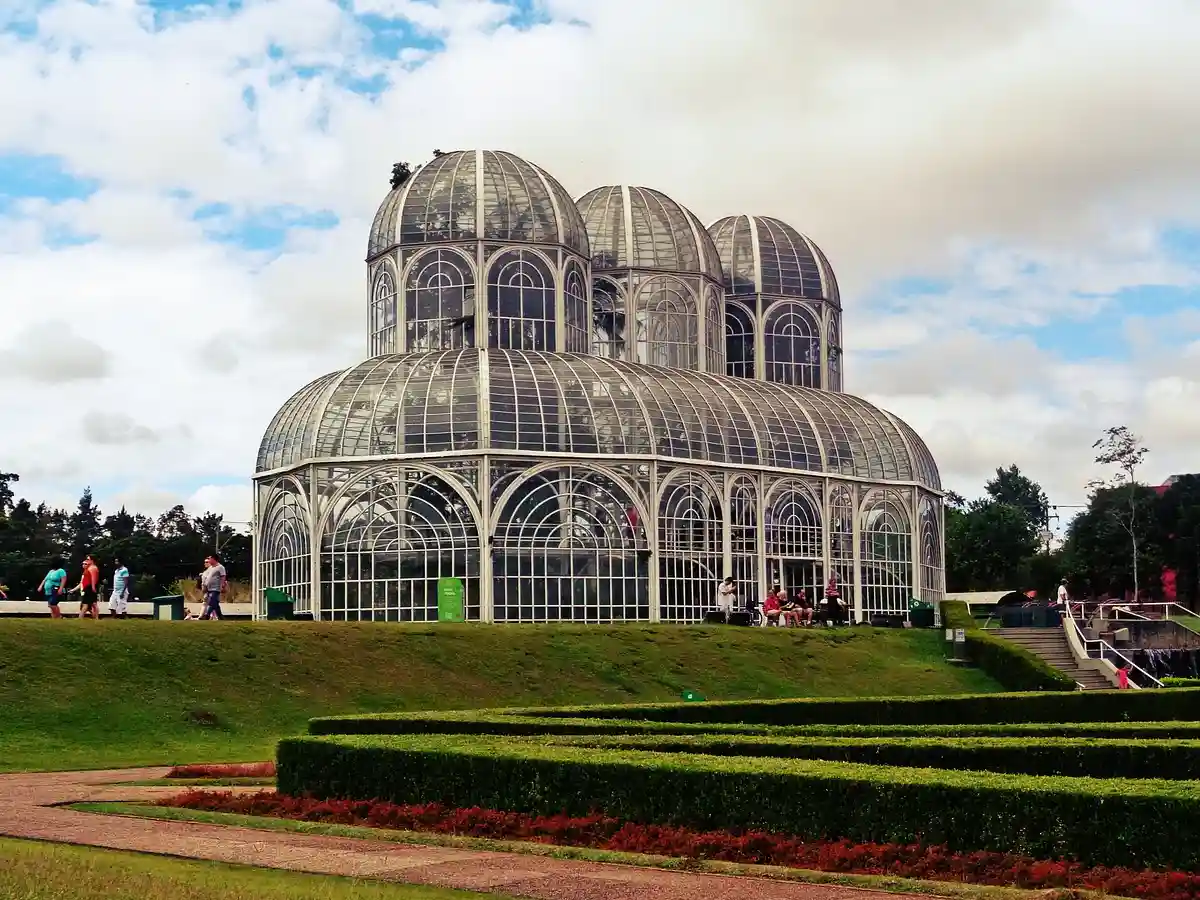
(762, 255)
(478, 195)
(641, 228)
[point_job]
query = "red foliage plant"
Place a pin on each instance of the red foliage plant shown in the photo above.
(224, 770)
(606, 833)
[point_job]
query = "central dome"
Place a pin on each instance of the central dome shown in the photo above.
(478, 195)
(641, 228)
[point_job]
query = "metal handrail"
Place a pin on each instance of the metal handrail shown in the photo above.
(1103, 646)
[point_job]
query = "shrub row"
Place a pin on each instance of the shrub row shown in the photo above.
(502, 722)
(761, 848)
(1112, 822)
(1180, 704)
(224, 770)
(1015, 667)
(1177, 760)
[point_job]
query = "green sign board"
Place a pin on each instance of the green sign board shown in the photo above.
(692, 695)
(450, 600)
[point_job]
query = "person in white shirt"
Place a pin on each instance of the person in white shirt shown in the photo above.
(1063, 595)
(725, 597)
(212, 585)
(118, 601)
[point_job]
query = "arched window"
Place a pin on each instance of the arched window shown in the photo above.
(933, 576)
(568, 546)
(793, 345)
(521, 302)
(383, 313)
(389, 542)
(739, 341)
(743, 533)
(690, 547)
(285, 562)
(834, 343)
(608, 319)
(793, 523)
(668, 325)
(714, 333)
(886, 554)
(439, 303)
(575, 299)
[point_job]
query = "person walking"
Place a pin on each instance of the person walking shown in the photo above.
(89, 589)
(53, 587)
(212, 583)
(118, 601)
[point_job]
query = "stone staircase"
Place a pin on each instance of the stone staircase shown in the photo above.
(1052, 646)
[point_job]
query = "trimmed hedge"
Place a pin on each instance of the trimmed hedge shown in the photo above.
(1178, 704)
(1015, 667)
(1181, 682)
(501, 722)
(1110, 822)
(1174, 760)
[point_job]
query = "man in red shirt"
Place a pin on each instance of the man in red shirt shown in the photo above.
(89, 589)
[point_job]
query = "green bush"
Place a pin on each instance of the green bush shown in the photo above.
(501, 722)
(1112, 822)
(1180, 704)
(1012, 665)
(1181, 682)
(1175, 760)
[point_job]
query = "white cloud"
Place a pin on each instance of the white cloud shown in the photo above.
(1028, 152)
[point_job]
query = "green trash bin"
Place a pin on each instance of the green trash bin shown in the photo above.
(169, 607)
(920, 614)
(279, 604)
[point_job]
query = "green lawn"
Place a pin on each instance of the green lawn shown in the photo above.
(93, 694)
(35, 871)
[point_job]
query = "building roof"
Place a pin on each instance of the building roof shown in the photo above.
(641, 228)
(580, 404)
(478, 195)
(763, 255)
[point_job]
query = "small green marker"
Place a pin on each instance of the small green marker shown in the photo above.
(692, 695)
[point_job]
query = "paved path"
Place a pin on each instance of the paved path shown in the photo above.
(28, 810)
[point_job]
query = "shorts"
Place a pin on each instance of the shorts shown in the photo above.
(118, 603)
(88, 597)
(52, 599)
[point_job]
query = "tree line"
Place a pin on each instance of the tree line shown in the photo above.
(158, 551)
(1121, 543)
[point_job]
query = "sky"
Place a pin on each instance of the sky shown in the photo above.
(1008, 190)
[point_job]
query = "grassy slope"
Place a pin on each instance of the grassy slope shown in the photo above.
(36, 871)
(93, 694)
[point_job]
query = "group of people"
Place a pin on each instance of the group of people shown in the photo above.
(213, 583)
(781, 609)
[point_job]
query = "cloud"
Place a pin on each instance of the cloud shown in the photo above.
(52, 353)
(116, 429)
(1030, 163)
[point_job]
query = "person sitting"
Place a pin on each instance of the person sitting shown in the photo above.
(791, 613)
(772, 608)
(725, 597)
(804, 609)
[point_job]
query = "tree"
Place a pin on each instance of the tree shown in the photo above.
(988, 546)
(1122, 448)
(1014, 488)
(401, 172)
(7, 480)
(1178, 515)
(84, 528)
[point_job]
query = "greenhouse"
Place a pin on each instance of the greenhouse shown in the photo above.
(588, 411)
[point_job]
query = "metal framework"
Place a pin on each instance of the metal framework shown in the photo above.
(633, 411)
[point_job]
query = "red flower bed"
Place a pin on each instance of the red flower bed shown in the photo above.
(224, 770)
(605, 833)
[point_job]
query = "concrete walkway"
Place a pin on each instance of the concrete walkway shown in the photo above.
(29, 808)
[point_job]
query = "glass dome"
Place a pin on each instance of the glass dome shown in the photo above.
(762, 255)
(478, 195)
(578, 404)
(641, 228)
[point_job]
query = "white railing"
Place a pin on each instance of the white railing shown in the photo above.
(1146, 611)
(1096, 648)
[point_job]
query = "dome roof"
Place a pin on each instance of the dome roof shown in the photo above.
(641, 228)
(574, 403)
(478, 195)
(764, 255)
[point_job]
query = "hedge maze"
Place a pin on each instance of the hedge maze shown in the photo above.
(1104, 778)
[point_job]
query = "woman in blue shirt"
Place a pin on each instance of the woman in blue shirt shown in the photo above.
(52, 587)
